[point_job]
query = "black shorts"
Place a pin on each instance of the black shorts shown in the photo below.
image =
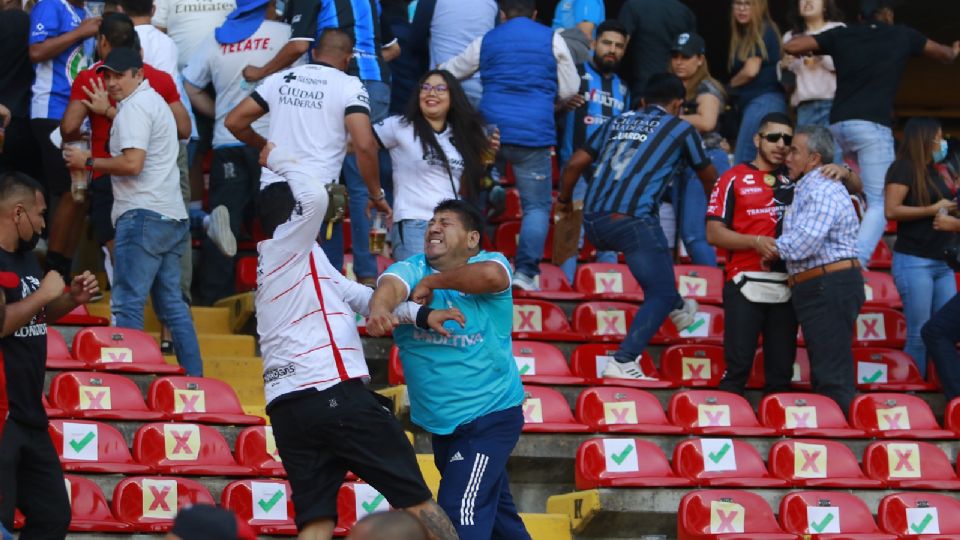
(101, 205)
(323, 434)
(56, 176)
(31, 480)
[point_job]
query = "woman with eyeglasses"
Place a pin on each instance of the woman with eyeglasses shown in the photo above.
(816, 77)
(437, 149)
(754, 53)
(915, 194)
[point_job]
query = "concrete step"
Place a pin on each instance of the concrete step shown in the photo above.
(211, 320)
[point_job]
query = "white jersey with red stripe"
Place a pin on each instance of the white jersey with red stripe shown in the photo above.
(306, 309)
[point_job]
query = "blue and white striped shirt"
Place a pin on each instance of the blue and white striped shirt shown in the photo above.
(821, 225)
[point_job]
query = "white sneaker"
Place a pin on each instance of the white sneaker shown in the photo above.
(628, 370)
(684, 317)
(524, 282)
(220, 233)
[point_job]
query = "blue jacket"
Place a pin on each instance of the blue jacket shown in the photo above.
(519, 74)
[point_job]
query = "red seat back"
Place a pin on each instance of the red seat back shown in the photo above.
(77, 392)
(151, 503)
(907, 460)
(707, 328)
(547, 406)
(702, 283)
(914, 513)
(542, 363)
(801, 371)
(788, 412)
(800, 460)
(200, 399)
(902, 415)
(170, 444)
(825, 512)
(693, 365)
(880, 290)
(951, 417)
(265, 504)
(256, 448)
(710, 408)
(701, 459)
(615, 462)
(887, 369)
(81, 442)
(395, 368)
(590, 359)
(354, 502)
(123, 349)
(709, 513)
(552, 284)
(57, 352)
(604, 321)
(607, 281)
(507, 235)
(89, 509)
(532, 318)
(246, 272)
(880, 327)
(882, 257)
(610, 408)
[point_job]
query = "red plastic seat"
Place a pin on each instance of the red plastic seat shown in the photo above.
(604, 321)
(265, 504)
(93, 447)
(888, 370)
(52, 412)
(257, 449)
(801, 371)
(894, 416)
(589, 360)
(546, 411)
(120, 349)
(713, 412)
(354, 501)
(707, 329)
(80, 316)
(623, 410)
(805, 415)
(881, 291)
(829, 515)
(101, 396)
(882, 258)
(198, 399)
(191, 449)
(512, 211)
(395, 368)
(727, 514)
(543, 363)
(541, 321)
(702, 283)
(623, 463)
(951, 417)
(910, 465)
(880, 327)
(150, 503)
(58, 355)
(818, 463)
(916, 516)
(693, 365)
(507, 235)
(722, 463)
(604, 281)
(246, 274)
(89, 509)
(553, 285)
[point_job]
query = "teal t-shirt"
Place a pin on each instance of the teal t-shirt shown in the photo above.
(455, 380)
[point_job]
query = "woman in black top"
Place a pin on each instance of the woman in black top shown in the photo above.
(915, 193)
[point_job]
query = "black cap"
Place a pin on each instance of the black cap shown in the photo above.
(689, 44)
(120, 60)
(204, 522)
(869, 7)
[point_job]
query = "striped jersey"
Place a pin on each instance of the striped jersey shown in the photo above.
(54, 77)
(635, 155)
(360, 18)
(605, 98)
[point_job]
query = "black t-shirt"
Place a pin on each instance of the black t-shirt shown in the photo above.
(917, 237)
(25, 351)
(870, 59)
(16, 71)
(653, 26)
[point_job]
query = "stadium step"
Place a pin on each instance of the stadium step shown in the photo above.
(206, 320)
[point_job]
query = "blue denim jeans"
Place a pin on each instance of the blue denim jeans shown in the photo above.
(687, 195)
(569, 266)
(364, 263)
(533, 171)
(940, 335)
(147, 259)
(645, 248)
(753, 112)
(815, 112)
(925, 285)
(406, 238)
(872, 146)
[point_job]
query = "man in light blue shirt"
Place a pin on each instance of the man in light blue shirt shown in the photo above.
(582, 14)
(464, 384)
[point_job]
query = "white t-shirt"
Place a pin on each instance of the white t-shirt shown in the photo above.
(307, 106)
(158, 49)
(223, 65)
(420, 181)
(189, 22)
(816, 76)
(144, 121)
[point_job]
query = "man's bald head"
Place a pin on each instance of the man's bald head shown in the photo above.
(334, 47)
(396, 525)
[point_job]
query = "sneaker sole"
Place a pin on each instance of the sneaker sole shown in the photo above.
(220, 233)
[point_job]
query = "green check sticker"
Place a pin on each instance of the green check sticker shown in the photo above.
(873, 378)
(819, 527)
(268, 504)
(697, 324)
(717, 456)
(525, 369)
(920, 527)
(618, 458)
(82, 443)
(371, 506)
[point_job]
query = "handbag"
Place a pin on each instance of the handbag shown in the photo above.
(336, 205)
(951, 252)
(763, 287)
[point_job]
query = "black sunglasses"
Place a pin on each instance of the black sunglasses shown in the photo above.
(774, 137)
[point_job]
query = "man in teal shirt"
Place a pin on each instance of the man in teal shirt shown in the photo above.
(463, 383)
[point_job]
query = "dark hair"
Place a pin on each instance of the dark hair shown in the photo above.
(518, 8)
(118, 30)
(831, 12)
(137, 8)
(335, 40)
(914, 157)
(612, 25)
(774, 118)
(275, 204)
(468, 214)
(16, 184)
(663, 88)
(466, 125)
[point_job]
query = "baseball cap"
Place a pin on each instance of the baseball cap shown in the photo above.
(9, 280)
(205, 522)
(242, 22)
(869, 7)
(689, 44)
(120, 60)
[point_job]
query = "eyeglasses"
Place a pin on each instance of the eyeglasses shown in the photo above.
(426, 88)
(775, 137)
(742, 4)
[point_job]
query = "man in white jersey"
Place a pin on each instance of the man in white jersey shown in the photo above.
(251, 33)
(324, 419)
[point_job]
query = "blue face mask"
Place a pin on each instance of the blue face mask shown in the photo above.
(940, 153)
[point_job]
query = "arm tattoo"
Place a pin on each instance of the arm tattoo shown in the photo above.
(437, 523)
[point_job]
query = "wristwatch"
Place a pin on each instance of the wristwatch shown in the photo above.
(89, 164)
(380, 197)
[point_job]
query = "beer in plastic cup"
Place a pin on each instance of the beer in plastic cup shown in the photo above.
(378, 233)
(79, 178)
